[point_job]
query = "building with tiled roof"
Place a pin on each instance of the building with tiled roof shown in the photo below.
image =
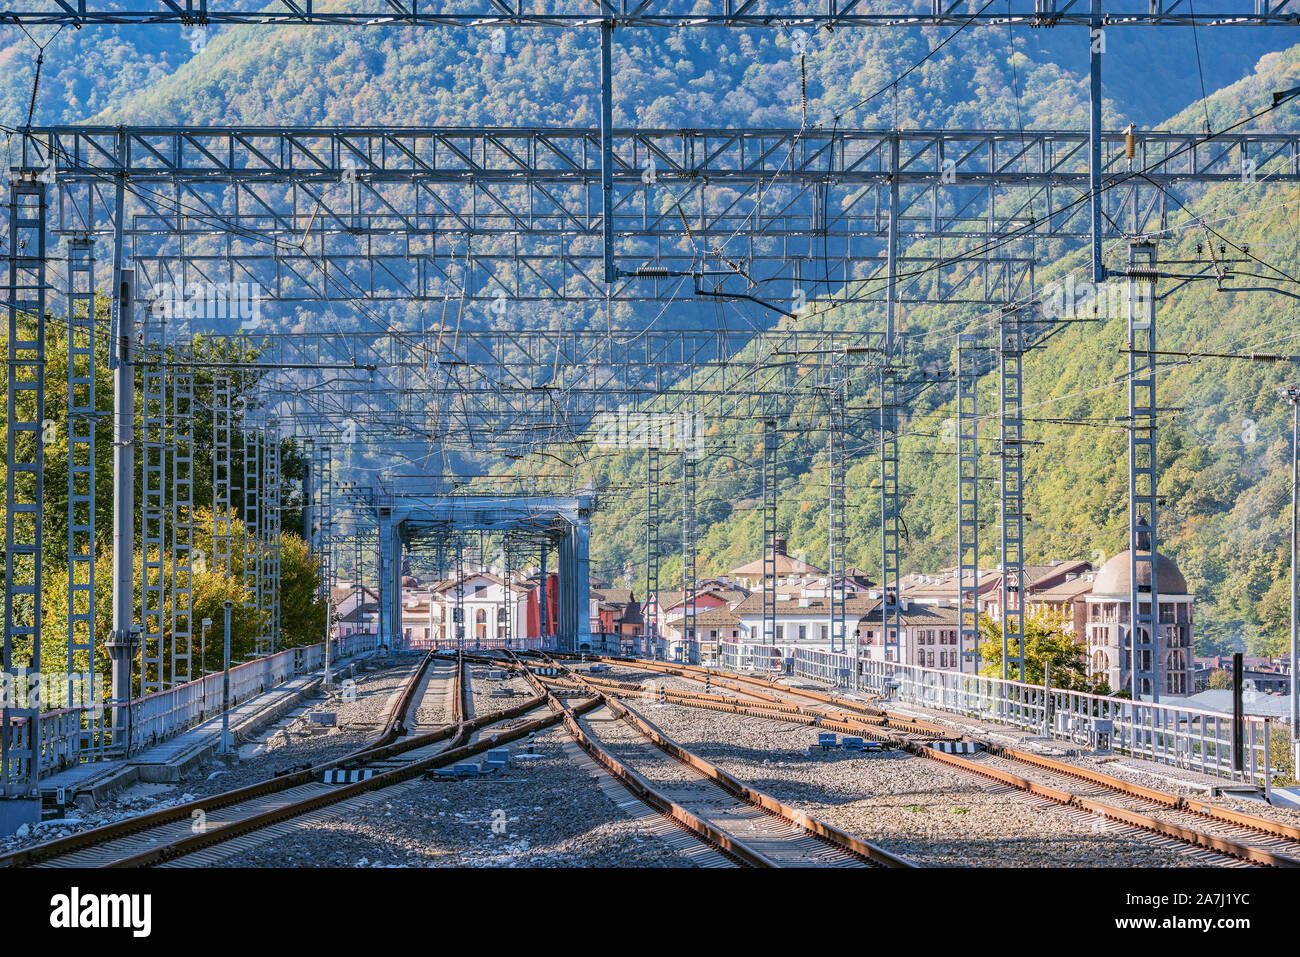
(785, 566)
(928, 639)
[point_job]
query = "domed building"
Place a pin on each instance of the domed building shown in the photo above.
(1110, 650)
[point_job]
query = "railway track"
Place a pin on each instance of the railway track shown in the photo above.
(1186, 821)
(397, 755)
(752, 827)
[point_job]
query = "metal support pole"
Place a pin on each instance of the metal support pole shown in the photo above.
(121, 639)
(1293, 394)
(506, 593)
(543, 624)
(460, 594)
(581, 587)
(889, 502)
(1010, 353)
(381, 587)
(836, 431)
(1143, 480)
(607, 145)
(226, 743)
(222, 476)
(769, 531)
(652, 548)
(890, 608)
(271, 537)
(690, 640)
(360, 590)
(153, 503)
(1096, 43)
(24, 482)
(325, 532)
(396, 627)
(968, 524)
(1238, 716)
(182, 512)
(309, 466)
(252, 529)
(81, 496)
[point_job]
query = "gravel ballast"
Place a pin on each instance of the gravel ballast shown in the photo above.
(545, 812)
(919, 809)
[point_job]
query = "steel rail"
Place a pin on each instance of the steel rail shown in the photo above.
(880, 726)
(207, 838)
(387, 745)
(829, 834)
(640, 788)
(393, 727)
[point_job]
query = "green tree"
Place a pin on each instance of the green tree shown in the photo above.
(1219, 680)
(1047, 642)
(302, 616)
(302, 613)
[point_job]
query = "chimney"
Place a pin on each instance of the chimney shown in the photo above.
(778, 545)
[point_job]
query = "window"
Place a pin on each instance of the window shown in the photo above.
(780, 632)
(803, 632)
(825, 633)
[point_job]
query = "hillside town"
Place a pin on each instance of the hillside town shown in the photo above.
(1090, 603)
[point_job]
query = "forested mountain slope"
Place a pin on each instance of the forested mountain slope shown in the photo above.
(1226, 498)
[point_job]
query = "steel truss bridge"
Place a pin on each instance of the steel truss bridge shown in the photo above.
(541, 215)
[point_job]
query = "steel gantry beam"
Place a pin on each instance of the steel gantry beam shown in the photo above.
(429, 213)
(531, 388)
(665, 14)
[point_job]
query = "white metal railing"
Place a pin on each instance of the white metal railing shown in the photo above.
(68, 736)
(834, 668)
(744, 656)
(1165, 732)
